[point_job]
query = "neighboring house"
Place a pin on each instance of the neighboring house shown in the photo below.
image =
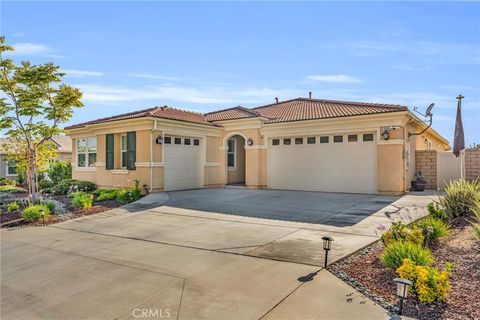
(64, 151)
(298, 144)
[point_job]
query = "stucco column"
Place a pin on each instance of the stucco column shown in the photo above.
(390, 168)
(255, 164)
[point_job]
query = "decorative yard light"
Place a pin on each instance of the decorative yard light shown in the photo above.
(249, 142)
(402, 291)
(327, 245)
(42, 211)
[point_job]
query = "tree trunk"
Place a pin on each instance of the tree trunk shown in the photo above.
(32, 168)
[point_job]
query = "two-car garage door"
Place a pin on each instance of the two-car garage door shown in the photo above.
(338, 163)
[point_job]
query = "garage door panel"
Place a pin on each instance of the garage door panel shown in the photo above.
(339, 167)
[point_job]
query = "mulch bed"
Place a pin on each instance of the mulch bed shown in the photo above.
(14, 219)
(364, 271)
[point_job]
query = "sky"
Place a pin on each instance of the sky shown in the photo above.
(126, 56)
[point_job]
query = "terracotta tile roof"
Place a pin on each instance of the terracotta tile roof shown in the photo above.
(164, 112)
(309, 109)
(284, 111)
(231, 114)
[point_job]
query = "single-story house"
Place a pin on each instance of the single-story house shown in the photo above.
(298, 144)
(62, 143)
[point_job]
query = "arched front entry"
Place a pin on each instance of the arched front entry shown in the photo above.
(235, 159)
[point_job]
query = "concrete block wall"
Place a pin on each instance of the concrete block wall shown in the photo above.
(426, 161)
(472, 164)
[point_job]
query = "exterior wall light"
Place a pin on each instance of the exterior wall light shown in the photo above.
(249, 142)
(386, 135)
(402, 291)
(159, 140)
(327, 245)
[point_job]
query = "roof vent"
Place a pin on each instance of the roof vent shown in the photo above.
(276, 100)
(310, 95)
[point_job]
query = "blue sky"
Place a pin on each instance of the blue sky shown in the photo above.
(206, 56)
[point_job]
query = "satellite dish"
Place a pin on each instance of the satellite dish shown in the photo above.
(428, 113)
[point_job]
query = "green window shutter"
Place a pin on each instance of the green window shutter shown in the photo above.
(131, 150)
(109, 153)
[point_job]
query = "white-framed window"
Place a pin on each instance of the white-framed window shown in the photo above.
(86, 152)
(231, 154)
(123, 144)
(11, 168)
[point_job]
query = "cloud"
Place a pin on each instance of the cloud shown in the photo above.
(108, 95)
(155, 76)
(81, 73)
(30, 49)
(337, 78)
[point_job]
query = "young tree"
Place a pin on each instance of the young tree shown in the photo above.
(33, 104)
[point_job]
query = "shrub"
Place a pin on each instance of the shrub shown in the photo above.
(82, 200)
(436, 212)
(70, 185)
(34, 213)
(433, 229)
(400, 232)
(60, 170)
(13, 206)
(106, 194)
(476, 224)
(45, 184)
(7, 182)
(12, 189)
(396, 251)
(135, 193)
(123, 196)
(56, 207)
(460, 198)
(428, 283)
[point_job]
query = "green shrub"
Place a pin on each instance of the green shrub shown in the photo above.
(436, 212)
(13, 206)
(135, 193)
(461, 198)
(60, 170)
(71, 185)
(476, 224)
(7, 182)
(56, 207)
(82, 200)
(433, 229)
(428, 283)
(34, 213)
(12, 189)
(123, 196)
(401, 232)
(45, 184)
(106, 194)
(396, 251)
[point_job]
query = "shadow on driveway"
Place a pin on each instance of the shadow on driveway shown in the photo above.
(335, 209)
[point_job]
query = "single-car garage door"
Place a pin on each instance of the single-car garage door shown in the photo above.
(182, 163)
(337, 163)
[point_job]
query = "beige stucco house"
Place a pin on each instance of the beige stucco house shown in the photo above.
(298, 144)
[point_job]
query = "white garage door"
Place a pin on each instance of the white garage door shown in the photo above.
(182, 163)
(340, 163)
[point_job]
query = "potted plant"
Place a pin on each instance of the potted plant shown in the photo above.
(420, 182)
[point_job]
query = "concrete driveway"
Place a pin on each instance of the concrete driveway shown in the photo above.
(165, 258)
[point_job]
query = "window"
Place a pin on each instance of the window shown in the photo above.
(287, 141)
(352, 138)
(196, 142)
(275, 142)
(11, 168)
(311, 140)
(187, 141)
(178, 140)
(368, 137)
(337, 139)
(231, 153)
(124, 150)
(86, 152)
(298, 140)
(324, 139)
(168, 140)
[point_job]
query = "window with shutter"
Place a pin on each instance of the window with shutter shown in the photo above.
(131, 150)
(109, 152)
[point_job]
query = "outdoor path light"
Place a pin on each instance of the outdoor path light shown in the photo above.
(327, 245)
(402, 291)
(43, 216)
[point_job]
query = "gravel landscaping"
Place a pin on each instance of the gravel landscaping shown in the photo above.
(364, 271)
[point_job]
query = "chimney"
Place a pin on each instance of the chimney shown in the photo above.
(276, 100)
(310, 95)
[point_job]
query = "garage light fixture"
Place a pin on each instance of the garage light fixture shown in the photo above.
(159, 140)
(327, 245)
(249, 142)
(402, 291)
(386, 131)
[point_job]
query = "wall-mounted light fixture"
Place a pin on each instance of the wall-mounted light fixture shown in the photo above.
(386, 135)
(386, 131)
(249, 142)
(159, 140)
